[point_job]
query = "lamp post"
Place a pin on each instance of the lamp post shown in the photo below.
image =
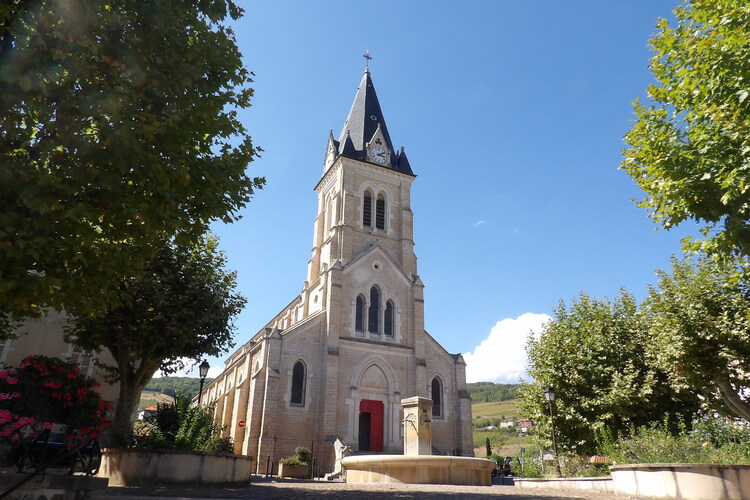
(203, 371)
(549, 394)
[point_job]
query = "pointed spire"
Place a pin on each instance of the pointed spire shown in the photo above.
(364, 117)
(346, 147)
(402, 162)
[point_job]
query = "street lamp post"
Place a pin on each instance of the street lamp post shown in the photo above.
(549, 394)
(203, 371)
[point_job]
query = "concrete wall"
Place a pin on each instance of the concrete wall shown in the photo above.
(683, 481)
(135, 467)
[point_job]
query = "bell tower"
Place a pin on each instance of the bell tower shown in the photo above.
(364, 192)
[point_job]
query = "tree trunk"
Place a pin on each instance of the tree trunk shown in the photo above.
(127, 403)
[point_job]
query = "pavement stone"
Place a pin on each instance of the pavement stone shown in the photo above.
(283, 489)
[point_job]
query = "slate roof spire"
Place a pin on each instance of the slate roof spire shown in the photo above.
(362, 123)
(364, 116)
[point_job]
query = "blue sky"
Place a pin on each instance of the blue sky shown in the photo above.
(512, 114)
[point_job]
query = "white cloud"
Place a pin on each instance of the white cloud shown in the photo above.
(501, 357)
(480, 223)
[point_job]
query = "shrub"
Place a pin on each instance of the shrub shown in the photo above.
(182, 426)
(302, 456)
(529, 464)
(44, 391)
(305, 456)
(712, 439)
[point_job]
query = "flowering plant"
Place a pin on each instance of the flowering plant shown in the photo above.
(45, 391)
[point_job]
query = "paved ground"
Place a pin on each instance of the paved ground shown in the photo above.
(278, 489)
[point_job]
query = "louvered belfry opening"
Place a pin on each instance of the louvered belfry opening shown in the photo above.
(380, 213)
(367, 210)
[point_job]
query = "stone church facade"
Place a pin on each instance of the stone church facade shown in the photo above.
(337, 361)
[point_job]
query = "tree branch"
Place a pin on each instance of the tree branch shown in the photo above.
(731, 398)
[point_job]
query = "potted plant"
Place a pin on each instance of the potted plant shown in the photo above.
(297, 466)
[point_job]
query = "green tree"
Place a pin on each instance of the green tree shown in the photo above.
(690, 147)
(118, 129)
(182, 307)
(700, 329)
(593, 354)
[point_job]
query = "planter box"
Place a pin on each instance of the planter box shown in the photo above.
(131, 467)
(294, 471)
(683, 481)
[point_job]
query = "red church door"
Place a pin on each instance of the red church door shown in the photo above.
(370, 436)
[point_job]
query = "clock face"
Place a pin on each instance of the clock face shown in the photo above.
(377, 154)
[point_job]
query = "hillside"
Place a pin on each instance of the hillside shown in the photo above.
(491, 404)
(488, 392)
(176, 385)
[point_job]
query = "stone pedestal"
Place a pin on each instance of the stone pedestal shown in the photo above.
(417, 426)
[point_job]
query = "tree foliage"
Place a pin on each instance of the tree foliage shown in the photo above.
(592, 353)
(700, 329)
(118, 130)
(490, 392)
(182, 307)
(689, 149)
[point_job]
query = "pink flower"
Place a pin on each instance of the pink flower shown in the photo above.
(12, 381)
(5, 416)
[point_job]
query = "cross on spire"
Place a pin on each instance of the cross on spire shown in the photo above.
(367, 57)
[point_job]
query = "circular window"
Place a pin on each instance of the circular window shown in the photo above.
(373, 117)
(376, 265)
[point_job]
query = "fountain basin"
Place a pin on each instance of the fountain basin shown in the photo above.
(418, 469)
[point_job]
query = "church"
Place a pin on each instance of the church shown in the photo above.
(337, 361)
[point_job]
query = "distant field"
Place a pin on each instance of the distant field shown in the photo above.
(504, 442)
(150, 398)
(496, 410)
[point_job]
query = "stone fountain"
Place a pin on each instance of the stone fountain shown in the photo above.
(418, 465)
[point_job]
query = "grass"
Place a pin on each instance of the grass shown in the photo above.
(508, 409)
(151, 398)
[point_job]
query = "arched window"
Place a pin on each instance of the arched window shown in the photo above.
(437, 398)
(359, 314)
(380, 213)
(298, 384)
(367, 210)
(388, 320)
(374, 313)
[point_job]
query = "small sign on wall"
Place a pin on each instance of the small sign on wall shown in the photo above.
(241, 423)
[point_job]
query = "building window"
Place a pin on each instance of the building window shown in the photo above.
(359, 314)
(373, 322)
(85, 360)
(298, 384)
(388, 320)
(437, 398)
(367, 210)
(380, 213)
